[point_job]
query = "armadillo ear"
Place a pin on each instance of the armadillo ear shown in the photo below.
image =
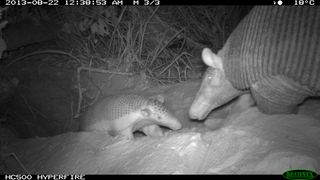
(158, 97)
(145, 112)
(211, 59)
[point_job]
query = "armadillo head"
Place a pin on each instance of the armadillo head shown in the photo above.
(156, 113)
(215, 89)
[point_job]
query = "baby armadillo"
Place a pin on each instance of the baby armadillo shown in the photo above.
(127, 113)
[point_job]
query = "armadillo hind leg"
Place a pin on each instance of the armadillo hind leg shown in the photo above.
(152, 130)
(279, 94)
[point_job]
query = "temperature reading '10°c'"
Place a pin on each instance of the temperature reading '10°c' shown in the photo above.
(303, 2)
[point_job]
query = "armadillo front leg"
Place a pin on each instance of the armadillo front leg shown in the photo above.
(126, 133)
(279, 94)
(152, 130)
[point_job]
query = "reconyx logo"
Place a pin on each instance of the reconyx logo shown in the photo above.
(300, 174)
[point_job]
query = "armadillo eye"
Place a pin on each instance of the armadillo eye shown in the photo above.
(146, 112)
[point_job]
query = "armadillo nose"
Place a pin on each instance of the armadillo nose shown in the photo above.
(194, 113)
(179, 125)
(176, 125)
(171, 122)
(198, 110)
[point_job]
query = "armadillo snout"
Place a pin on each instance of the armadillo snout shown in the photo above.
(174, 123)
(168, 120)
(199, 110)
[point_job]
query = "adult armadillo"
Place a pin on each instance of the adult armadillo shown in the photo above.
(274, 52)
(126, 113)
